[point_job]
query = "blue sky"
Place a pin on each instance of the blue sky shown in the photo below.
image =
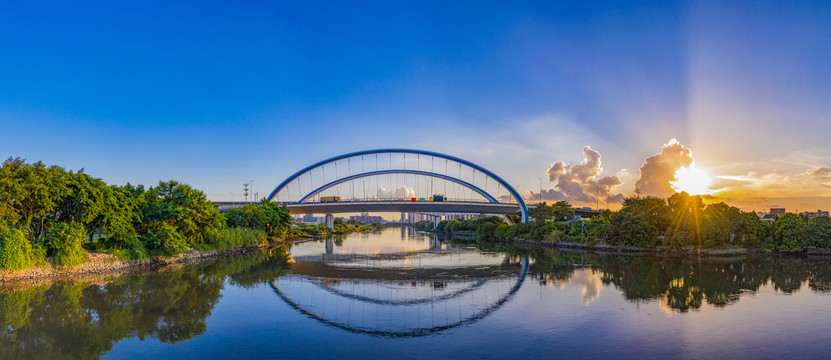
(216, 93)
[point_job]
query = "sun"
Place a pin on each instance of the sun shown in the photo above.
(693, 180)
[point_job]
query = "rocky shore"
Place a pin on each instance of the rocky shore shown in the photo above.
(102, 266)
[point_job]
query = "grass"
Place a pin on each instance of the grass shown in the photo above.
(228, 238)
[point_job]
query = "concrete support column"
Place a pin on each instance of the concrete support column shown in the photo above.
(330, 221)
(436, 221)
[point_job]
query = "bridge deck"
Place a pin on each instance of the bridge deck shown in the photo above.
(404, 206)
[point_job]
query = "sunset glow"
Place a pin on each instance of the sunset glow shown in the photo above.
(693, 180)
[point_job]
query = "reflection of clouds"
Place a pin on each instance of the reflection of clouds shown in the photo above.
(587, 279)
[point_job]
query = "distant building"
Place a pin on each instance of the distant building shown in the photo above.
(310, 219)
(365, 218)
(811, 214)
(774, 212)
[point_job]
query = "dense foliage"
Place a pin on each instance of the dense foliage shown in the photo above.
(62, 214)
(269, 217)
(65, 241)
(16, 252)
(678, 222)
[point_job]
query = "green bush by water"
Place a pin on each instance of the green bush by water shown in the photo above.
(126, 247)
(65, 242)
(166, 240)
(16, 252)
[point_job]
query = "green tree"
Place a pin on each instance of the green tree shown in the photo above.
(123, 204)
(541, 213)
(85, 199)
(819, 232)
(277, 219)
(32, 191)
(562, 210)
(719, 223)
(788, 232)
(246, 216)
(184, 208)
(639, 221)
(753, 230)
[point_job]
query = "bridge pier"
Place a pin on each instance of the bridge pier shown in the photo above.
(330, 221)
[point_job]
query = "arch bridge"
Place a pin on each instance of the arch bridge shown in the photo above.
(398, 180)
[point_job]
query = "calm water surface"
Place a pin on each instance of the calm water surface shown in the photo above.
(411, 295)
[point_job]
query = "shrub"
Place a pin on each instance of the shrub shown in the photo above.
(503, 231)
(789, 232)
(125, 247)
(16, 252)
(65, 241)
(819, 232)
(542, 232)
(165, 240)
(487, 229)
(454, 226)
(423, 225)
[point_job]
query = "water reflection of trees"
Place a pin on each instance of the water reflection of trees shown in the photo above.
(681, 283)
(84, 320)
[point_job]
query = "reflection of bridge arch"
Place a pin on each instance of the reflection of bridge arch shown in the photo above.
(415, 331)
(307, 172)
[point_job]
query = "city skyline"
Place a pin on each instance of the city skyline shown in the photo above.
(215, 95)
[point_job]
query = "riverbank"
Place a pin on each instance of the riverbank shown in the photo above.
(604, 248)
(106, 265)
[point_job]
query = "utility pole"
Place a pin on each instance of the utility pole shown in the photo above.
(540, 202)
(252, 192)
(245, 190)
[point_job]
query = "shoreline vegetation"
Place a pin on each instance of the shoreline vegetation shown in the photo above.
(107, 265)
(678, 225)
(55, 222)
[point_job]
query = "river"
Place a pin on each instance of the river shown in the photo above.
(410, 295)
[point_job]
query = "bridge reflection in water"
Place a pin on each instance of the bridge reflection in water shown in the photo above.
(405, 294)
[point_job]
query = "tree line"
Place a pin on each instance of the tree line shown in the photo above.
(681, 221)
(47, 211)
